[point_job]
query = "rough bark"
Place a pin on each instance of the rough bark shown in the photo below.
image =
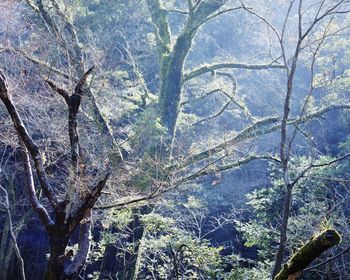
(173, 57)
(73, 270)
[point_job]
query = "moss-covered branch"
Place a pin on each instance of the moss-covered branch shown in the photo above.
(211, 169)
(307, 253)
(229, 65)
(261, 127)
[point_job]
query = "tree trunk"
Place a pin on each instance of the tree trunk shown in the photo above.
(5, 249)
(55, 267)
(283, 234)
(171, 82)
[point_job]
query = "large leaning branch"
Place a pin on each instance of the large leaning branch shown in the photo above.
(307, 253)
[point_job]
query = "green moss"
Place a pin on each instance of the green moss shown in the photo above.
(309, 252)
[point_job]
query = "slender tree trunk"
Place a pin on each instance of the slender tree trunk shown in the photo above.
(283, 231)
(15, 245)
(5, 203)
(4, 248)
(138, 257)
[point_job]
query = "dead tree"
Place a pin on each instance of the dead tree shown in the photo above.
(68, 212)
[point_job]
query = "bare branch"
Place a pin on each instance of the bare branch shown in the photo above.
(178, 11)
(79, 87)
(35, 61)
(29, 185)
(64, 93)
(215, 15)
(6, 205)
(28, 142)
(183, 103)
(311, 166)
(328, 260)
(217, 114)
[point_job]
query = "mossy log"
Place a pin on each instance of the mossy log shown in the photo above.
(307, 253)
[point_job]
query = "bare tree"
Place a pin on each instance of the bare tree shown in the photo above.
(66, 219)
(310, 18)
